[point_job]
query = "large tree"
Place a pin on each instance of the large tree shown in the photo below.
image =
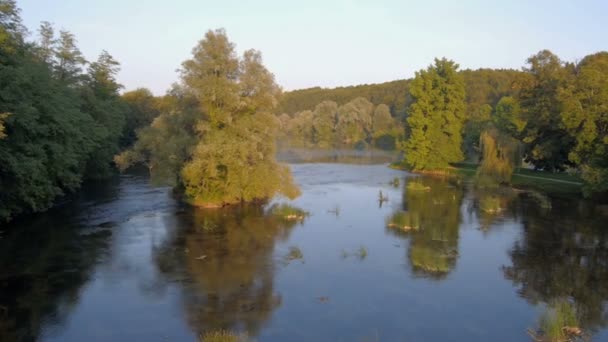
(547, 141)
(436, 117)
(585, 117)
(229, 157)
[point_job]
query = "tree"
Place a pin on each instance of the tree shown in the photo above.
(102, 100)
(69, 58)
(585, 118)
(547, 142)
(436, 117)
(230, 155)
(354, 121)
(47, 42)
(324, 123)
(142, 109)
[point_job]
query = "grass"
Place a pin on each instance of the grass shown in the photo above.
(360, 253)
(288, 212)
(557, 183)
(221, 336)
(559, 323)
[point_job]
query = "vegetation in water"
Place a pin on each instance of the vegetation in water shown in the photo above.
(295, 253)
(222, 336)
(288, 212)
(490, 204)
(559, 323)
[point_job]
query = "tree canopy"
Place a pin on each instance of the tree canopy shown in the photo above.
(436, 117)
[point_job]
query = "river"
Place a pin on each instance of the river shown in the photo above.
(124, 261)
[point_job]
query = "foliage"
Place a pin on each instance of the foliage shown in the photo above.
(229, 157)
(355, 124)
(65, 124)
(220, 336)
(558, 316)
(547, 142)
(288, 212)
(585, 116)
(435, 118)
(500, 156)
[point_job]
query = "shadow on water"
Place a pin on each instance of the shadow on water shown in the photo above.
(225, 261)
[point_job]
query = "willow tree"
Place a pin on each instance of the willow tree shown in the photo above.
(233, 160)
(436, 117)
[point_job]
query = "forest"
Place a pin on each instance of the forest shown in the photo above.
(214, 134)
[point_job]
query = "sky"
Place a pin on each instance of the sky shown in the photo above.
(326, 43)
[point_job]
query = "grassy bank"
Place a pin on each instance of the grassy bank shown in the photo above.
(558, 183)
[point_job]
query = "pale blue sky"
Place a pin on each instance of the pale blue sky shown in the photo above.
(327, 43)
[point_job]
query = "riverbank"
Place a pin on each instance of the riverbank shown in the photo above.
(556, 183)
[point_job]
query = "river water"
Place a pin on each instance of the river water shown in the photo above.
(124, 261)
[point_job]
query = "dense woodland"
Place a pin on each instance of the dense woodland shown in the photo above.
(64, 120)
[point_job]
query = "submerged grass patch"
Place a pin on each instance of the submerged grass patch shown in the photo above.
(222, 336)
(558, 323)
(288, 212)
(490, 204)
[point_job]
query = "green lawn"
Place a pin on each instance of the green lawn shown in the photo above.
(561, 182)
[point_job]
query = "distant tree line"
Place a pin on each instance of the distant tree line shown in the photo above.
(62, 118)
(357, 123)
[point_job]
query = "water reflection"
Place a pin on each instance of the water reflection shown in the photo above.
(227, 258)
(430, 218)
(563, 255)
(42, 269)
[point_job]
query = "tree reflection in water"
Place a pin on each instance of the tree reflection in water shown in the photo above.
(563, 255)
(225, 259)
(43, 266)
(431, 207)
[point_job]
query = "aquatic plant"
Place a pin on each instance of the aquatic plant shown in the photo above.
(403, 220)
(288, 212)
(295, 253)
(362, 252)
(395, 182)
(222, 336)
(559, 323)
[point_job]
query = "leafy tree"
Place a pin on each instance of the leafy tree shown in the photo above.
(47, 42)
(585, 118)
(354, 121)
(229, 155)
(547, 141)
(508, 116)
(142, 109)
(436, 117)
(324, 122)
(102, 100)
(69, 59)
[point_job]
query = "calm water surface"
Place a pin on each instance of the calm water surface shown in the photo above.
(126, 262)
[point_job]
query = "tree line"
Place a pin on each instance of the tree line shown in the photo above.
(358, 123)
(62, 118)
(554, 119)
